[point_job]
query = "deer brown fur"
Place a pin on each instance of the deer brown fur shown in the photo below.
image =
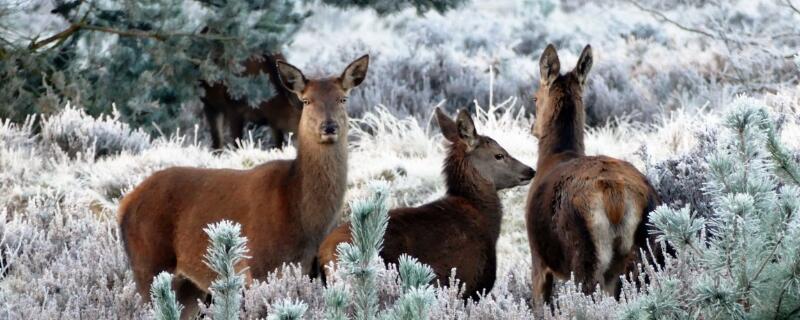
(460, 230)
(281, 112)
(586, 215)
(285, 207)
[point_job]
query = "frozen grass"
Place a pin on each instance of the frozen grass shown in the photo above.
(653, 99)
(61, 256)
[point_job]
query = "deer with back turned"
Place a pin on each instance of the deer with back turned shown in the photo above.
(281, 112)
(285, 207)
(586, 215)
(461, 229)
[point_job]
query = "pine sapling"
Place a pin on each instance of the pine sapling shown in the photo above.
(359, 259)
(288, 309)
(165, 306)
(227, 249)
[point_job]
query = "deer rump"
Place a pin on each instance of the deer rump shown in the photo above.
(588, 216)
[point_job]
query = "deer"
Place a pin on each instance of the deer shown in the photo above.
(281, 112)
(285, 207)
(585, 215)
(459, 230)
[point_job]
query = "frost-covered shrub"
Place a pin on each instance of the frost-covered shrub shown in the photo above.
(64, 262)
(73, 131)
(671, 177)
(742, 261)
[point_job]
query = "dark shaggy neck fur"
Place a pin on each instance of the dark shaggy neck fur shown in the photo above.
(463, 180)
(564, 130)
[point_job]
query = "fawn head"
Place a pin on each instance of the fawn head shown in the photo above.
(324, 112)
(491, 160)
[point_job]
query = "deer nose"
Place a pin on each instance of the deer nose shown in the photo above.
(530, 173)
(329, 127)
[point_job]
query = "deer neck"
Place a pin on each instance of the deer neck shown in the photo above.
(464, 181)
(563, 136)
(320, 174)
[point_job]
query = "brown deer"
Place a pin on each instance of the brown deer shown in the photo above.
(285, 207)
(461, 229)
(281, 112)
(586, 215)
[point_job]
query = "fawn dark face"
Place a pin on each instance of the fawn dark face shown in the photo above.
(324, 100)
(483, 153)
(553, 87)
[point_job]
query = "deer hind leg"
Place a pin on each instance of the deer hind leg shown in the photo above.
(236, 124)
(611, 278)
(277, 138)
(215, 120)
(188, 294)
(542, 282)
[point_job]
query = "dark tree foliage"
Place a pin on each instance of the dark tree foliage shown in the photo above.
(388, 6)
(148, 56)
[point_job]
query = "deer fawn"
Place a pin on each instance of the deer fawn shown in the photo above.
(281, 112)
(461, 229)
(586, 215)
(285, 207)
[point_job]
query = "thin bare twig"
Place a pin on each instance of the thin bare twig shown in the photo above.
(75, 27)
(791, 5)
(664, 18)
(56, 37)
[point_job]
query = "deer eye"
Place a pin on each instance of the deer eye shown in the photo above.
(306, 102)
(499, 156)
(535, 99)
(343, 100)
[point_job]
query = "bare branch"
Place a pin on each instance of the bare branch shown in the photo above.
(56, 37)
(791, 5)
(664, 18)
(63, 35)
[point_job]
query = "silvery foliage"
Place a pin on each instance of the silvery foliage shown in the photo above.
(742, 261)
(72, 131)
(359, 266)
(165, 306)
(288, 310)
(637, 74)
(227, 248)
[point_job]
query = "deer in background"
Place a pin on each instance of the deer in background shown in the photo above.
(460, 230)
(285, 207)
(281, 112)
(586, 215)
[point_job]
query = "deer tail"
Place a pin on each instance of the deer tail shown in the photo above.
(613, 199)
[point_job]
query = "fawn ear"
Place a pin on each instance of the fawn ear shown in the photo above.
(466, 130)
(448, 126)
(549, 66)
(584, 65)
(291, 77)
(355, 73)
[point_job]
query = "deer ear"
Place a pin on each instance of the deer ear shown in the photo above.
(448, 126)
(584, 64)
(355, 73)
(466, 130)
(549, 66)
(291, 77)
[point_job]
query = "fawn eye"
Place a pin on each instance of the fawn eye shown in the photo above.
(499, 156)
(306, 102)
(535, 99)
(343, 100)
